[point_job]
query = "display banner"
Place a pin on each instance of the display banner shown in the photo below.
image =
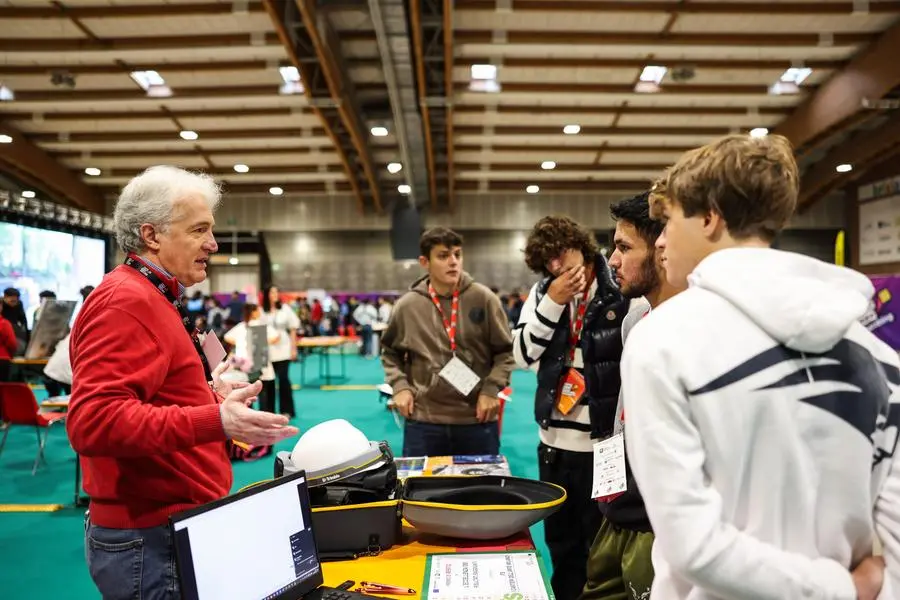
(884, 319)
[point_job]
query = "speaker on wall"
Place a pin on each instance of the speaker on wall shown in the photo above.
(406, 228)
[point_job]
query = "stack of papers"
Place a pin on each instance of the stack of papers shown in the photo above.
(452, 465)
(488, 576)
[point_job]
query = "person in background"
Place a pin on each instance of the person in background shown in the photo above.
(761, 415)
(284, 351)
(316, 314)
(569, 328)
(385, 307)
(236, 306)
(8, 345)
(365, 316)
(238, 337)
(36, 314)
(445, 318)
(147, 417)
(216, 317)
(620, 565)
(13, 311)
(58, 371)
(514, 306)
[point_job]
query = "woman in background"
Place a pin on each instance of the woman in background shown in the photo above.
(8, 344)
(283, 319)
(238, 337)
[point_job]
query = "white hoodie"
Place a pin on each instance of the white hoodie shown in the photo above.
(761, 424)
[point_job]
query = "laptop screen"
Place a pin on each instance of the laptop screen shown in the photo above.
(255, 545)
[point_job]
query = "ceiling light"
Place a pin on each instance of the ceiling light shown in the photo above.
(532, 189)
(844, 168)
(28, 194)
(404, 189)
(290, 77)
(152, 83)
(571, 129)
(484, 72)
(276, 191)
(548, 165)
(239, 168)
(92, 171)
(189, 135)
(5, 139)
(6, 94)
(233, 260)
(795, 75)
(379, 131)
(653, 74)
(394, 167)
(759, 132)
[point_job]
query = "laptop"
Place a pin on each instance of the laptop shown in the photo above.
(254, 545)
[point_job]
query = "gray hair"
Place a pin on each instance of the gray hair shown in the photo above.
(150, 198)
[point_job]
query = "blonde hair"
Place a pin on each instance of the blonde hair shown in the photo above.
(752, 183)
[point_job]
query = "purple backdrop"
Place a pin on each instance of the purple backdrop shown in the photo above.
(885, 323)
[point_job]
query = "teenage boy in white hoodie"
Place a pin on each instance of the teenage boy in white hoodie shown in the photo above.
(762, 416)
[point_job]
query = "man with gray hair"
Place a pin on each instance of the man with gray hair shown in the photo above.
(148, 416)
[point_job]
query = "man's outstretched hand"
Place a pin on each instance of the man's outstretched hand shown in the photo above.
(868, 577)
(244, 424)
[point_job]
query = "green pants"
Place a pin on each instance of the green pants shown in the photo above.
(619, 565)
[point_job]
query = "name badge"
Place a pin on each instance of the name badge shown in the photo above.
(570, 391)
(213, 350)
(610, 478)
(460, 376)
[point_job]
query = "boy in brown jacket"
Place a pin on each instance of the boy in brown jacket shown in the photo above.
(447, 353)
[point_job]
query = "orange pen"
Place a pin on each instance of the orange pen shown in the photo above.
(383, 588)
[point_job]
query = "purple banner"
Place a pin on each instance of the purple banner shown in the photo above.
(884, 322)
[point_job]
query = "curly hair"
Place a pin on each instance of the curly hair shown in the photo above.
(552, 236)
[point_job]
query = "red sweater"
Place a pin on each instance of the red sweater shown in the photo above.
(141, 415)
(8, 340)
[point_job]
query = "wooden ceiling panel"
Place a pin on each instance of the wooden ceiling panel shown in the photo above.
(588, 94)
(746, 119)
(538, 117)
(781, 23)
(178, 144)
(594, 141)
(561, 22)
(173, 25)
(15, 29)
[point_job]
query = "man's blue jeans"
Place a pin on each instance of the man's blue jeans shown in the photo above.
(428, 439)
(131, 564)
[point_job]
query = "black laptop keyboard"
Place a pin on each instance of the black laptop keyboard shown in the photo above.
(334, 594)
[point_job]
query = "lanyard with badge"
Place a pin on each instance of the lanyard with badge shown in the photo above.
(456, 372)
(163, 287)
(571, 387)
(610, 473)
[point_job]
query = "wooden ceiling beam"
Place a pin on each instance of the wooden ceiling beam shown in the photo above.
(681, 111)
(533, 130)
(870, 75)
(155, 114)
(680, 89)
(228, 172)
(46, 173)
(560, 149)
(163, 68)
(561, 167)
(636, 38)
(585, 185)
(150, 154)
(638, 63)
(139, 136)
(865, 148)
(162, 42)
(107, 11)
(135, 93)
(698, 8)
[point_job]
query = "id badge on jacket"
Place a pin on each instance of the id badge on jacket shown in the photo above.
(460, 376)
(570, 391)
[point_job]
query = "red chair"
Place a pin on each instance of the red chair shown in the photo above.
(19, 407)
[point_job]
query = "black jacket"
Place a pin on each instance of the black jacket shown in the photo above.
(601, 348)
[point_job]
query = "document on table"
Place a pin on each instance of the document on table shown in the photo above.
(487, 576)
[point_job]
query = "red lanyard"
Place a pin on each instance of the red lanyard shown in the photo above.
(577, 324)
(449, 326)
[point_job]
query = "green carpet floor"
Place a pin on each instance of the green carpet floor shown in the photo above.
(42, 554)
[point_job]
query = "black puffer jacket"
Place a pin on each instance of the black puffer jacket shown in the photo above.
(601, 348)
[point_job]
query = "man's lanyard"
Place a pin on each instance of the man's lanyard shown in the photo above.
(163, 287)
(577, 324)
(449, 326)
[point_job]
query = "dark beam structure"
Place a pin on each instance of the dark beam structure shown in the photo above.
(23, 159)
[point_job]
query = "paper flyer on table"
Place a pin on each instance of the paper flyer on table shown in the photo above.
(487, 576)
